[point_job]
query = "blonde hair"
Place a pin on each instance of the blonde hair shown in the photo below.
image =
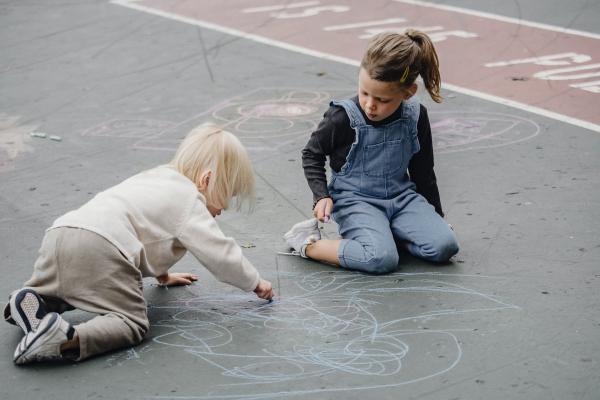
(401, 58)
(208, 147)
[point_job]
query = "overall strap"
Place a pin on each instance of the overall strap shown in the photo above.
(411, 108)
(354, 114)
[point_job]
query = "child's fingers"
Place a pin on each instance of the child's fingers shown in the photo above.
(318, 213)
(319, 210)
(186, 275)
(183, 279)
(264, 290)
(327, 212)
(267, 294)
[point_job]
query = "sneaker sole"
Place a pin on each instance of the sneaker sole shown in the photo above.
(20, 356)
(27, 310)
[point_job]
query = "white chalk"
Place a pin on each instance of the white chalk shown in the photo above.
(55, 138)
(37, 134)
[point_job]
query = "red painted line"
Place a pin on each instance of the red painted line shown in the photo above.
(552, 72)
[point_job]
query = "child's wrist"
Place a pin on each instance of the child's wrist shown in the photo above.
(162, 279)
(319, 199)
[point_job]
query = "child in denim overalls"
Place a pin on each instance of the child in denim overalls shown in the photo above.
(383, 189)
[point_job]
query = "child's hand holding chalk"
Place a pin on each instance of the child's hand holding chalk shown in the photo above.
(264, 289)
(322, 210)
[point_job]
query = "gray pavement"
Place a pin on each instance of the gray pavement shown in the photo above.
(516, 315)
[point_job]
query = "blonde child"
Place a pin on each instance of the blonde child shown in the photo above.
(94, 258)
(383, 188)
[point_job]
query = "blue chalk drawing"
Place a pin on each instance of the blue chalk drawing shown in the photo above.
(338, 327)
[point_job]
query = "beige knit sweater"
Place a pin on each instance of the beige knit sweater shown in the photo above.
(154, 217)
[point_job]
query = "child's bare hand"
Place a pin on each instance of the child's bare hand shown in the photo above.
(264, 289)
(176, 279)
(323, 208)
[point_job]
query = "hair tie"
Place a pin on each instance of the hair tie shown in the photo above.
(405, 74)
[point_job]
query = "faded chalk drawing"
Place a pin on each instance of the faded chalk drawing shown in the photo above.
(334, 332)
(14, 140)
(270, 119)
(128, 128)
(460, 131)
(264, 119)
(273, 113)
(129, 355)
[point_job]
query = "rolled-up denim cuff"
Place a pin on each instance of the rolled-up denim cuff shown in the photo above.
(341, 248)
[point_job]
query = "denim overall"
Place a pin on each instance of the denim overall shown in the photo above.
(375, 203)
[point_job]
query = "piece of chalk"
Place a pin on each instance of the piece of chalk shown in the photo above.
(55, 138)
(37, 134)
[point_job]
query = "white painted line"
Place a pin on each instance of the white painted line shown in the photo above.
(550, 60)
(500, 18)
(364, 24)
(525, 107)
(313, 53)
(593, 87)
(281, 7)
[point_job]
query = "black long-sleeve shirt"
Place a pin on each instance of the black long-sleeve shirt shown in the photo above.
(334, 137)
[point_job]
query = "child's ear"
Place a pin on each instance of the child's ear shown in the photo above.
(410, 92)
(204, 180)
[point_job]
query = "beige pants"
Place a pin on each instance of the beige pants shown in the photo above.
(79, 269)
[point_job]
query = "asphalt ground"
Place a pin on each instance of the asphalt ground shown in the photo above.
(515, 315)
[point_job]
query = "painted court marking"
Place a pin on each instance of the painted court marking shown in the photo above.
(539, 68)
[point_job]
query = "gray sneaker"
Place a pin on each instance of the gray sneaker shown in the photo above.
(44, 343)
(26, 309)
(302, 234)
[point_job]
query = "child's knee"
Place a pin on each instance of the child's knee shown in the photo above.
(380, 261)
(138, 328)
(385, 265)
(444, 247)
